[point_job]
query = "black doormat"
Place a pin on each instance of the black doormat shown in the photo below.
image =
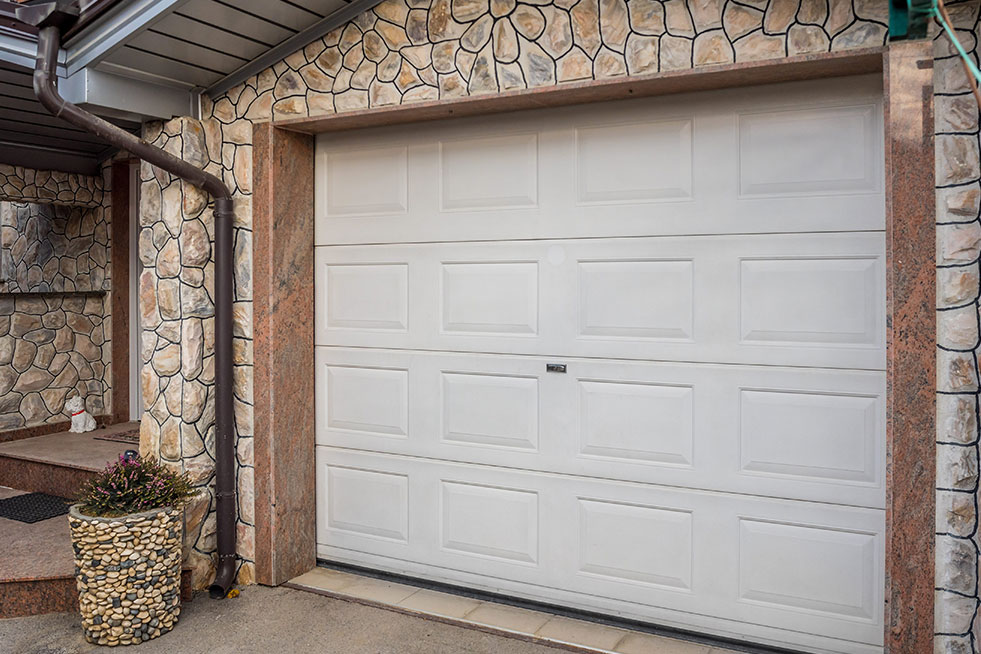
(33, 507)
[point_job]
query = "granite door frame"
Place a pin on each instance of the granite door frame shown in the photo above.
(283, 229)
(122, 223)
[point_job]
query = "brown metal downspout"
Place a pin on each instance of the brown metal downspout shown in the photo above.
(46, 88)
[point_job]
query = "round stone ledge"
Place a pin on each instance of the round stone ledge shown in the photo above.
(128, 574)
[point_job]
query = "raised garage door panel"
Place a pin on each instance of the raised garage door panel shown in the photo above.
(805, 159)
(788, 299)
(744, 563)
(709, 268)
(797, 433)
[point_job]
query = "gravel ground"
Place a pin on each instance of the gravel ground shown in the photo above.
(271, 621)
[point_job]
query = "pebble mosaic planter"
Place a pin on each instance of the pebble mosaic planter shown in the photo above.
(128, 571)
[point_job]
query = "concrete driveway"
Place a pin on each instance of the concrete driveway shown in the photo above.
(271, 620)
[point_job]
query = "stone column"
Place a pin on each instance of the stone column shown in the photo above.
(177, 318)
(958, 180)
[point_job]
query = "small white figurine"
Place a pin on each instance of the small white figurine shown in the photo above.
(82, 420)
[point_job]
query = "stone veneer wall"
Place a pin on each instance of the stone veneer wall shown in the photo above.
(958, 180)
(407, 51)
(54, 311)
(52, 346)
(19, 184)
(177, 317)
(50, 247)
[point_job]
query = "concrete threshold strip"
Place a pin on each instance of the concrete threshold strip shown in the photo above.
(503, 619)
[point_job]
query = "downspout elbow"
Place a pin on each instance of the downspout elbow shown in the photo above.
(45, 80)
(46, 92)
(224, 577)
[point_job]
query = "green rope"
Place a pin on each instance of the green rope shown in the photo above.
(933, 11)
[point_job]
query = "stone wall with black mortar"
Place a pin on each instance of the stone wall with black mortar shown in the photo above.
(50, 247)
(55, 323)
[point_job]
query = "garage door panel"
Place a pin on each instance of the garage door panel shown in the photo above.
(639, 299)
(495, 297)
(366, 400)
(636, 421)
(619, 541)
(491, 522)
(793, 433)
(735, 299)
(371, 181)
(492, 173)
(712, 163)
(798, 433)
(835, 151)
(634, 162)
(811, 300)
(365, 297)
(491, 410)
(790, 566)
(631, 547)
(363, 502)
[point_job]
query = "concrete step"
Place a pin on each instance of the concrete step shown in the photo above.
(61, 463)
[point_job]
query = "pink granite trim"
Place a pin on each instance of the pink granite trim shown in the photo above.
(285, 475)
(911, 341)
(38, 596)
(120, 294)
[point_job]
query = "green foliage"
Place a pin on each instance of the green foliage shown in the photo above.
(133, 486)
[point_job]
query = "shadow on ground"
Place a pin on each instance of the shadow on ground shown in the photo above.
(268, 620)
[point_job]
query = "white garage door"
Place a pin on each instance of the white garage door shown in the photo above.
(625, 357)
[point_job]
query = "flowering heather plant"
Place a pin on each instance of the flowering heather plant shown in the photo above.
(132, 486)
